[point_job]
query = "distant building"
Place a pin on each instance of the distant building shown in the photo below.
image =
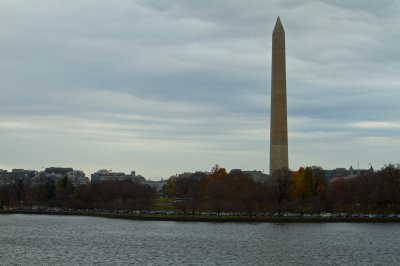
(336, 173)
(4, 178)
(158, 186)
(76, 177)
(183, 175)
(198, 175)
(57, 173)
(257, 176)
(32, 177)
(29, 177)
(108, 175)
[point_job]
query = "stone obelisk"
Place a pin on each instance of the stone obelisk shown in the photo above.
(279, 134)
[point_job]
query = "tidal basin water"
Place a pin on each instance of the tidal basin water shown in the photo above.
(79, 240)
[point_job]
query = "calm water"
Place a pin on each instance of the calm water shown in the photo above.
(49, 240)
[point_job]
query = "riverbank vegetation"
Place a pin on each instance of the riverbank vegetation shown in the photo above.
(305, 191)
(107, 195)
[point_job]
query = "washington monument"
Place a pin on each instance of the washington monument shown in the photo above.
(278, 157)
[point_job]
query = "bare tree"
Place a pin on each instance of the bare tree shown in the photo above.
(280, 181)
(18, 186)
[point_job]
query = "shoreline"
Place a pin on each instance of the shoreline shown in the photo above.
(212, 219)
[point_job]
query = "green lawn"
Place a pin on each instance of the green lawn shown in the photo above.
(163, 204)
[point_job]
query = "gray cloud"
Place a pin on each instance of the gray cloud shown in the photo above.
(168, 86)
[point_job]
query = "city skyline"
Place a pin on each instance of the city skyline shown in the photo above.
(164, 88)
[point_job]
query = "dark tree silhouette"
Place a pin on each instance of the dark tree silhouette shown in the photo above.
(19, 186)
(280, 183)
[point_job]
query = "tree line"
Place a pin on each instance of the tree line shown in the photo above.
(306, 190)
(371, 192)
(105, 195)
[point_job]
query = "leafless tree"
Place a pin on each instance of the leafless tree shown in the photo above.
(281, 181)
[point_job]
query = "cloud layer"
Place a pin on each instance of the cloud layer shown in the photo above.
(162, 87)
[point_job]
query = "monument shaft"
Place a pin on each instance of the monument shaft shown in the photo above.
(278, 127)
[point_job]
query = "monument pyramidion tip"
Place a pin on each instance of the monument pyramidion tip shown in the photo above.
(278, 26)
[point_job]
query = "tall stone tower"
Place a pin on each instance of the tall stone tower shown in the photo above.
(278, 157)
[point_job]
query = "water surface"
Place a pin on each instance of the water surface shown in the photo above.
(79, 240)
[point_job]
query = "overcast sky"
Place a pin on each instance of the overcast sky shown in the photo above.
(163, 87)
